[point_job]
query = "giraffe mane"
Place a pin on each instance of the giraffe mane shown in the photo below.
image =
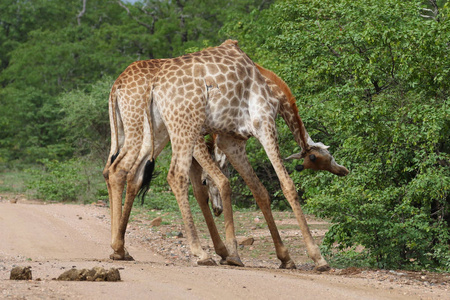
(280, 83)
(291, 99)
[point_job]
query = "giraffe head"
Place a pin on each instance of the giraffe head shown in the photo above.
(317, 157)
(213, 194)
(221, 160)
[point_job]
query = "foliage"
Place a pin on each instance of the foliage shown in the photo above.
(372, 79)
(85, 119)
(71, 180)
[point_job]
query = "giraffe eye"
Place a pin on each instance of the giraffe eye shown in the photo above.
(204, 182)
(312, 157)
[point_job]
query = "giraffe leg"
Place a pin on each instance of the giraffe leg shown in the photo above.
(177, 178)
(131, 191)
(235, 151)
(116, 183)
(270, 144)
(117, 176)
(110, 193)
(128, 167)
(118, 244)
(201, 194)
(202, 155)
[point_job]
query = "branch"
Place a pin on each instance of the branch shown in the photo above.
(333, 51)
(261, 6)
(393, 61)
(149, 27)
(320, 127)
(426, 16)
(434, 12)
(436, 8)
(376, 86)
(81, 13)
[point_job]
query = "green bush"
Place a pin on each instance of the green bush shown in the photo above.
(85, 119)
(378, 86)
(71, 180)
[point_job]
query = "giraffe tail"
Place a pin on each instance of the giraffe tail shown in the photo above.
(149, 175)
(149, 169)
(115, 146)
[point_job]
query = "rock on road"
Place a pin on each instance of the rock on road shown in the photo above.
(52, 238)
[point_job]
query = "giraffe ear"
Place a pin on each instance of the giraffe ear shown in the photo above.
(295, 156)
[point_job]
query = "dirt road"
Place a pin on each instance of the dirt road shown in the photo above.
(52, 238)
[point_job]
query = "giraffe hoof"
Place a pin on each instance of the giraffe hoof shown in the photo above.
(206, 262)
(290, 265)
(117, 256)
(232, 261)
(322, 268)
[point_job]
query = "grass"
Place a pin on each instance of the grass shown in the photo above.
(14, 182)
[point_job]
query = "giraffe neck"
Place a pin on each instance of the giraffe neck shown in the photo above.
(288, 108)
(289, 113)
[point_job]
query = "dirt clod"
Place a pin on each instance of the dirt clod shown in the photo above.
(21, 273)
(247, 241)
(94, 274)
(156, 221)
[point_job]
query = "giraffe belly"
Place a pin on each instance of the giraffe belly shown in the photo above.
(227, 114)
(226, 125)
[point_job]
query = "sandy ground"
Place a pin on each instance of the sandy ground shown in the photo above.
(52, 238)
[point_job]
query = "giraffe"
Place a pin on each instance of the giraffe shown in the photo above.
(138, 135)
(217, 90)
(316, 155)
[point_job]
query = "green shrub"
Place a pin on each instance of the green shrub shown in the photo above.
(71, 180)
